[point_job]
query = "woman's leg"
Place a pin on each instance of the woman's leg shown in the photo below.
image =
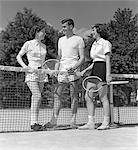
(35, 89)
(104, 98)
(41, 86)
(91, 110)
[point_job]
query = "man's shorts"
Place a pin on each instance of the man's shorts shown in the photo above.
(67, 78)
(64, 66)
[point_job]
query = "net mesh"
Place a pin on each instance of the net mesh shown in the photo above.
(15, 103)
(125, 102)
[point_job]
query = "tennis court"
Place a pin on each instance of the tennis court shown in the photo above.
(17, 120)
(17, 135)
(124, 138)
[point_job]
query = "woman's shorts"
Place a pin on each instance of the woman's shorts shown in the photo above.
(99, 69)
(34, 77)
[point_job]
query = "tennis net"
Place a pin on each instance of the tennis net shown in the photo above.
(124, 99)
(15, 102)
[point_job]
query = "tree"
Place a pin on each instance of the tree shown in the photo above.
(123, 33)
(17, 33)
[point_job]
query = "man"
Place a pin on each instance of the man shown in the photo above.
(71, 56)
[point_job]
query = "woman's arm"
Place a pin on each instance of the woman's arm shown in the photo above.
(20, 61)
(23, 50)
(108, 67)
(88, 68)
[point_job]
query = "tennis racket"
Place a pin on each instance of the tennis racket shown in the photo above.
(51, 64)
(94, 83)
(131, 76)
(63, 76)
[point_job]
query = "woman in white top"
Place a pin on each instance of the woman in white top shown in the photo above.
(35, 51)
(100, 53)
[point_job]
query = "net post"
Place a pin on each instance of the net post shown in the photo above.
(111, 103)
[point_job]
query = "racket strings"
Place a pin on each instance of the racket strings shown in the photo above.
(92, 84)
(51, 64)
(63, 76)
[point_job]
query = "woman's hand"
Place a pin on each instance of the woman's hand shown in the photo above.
(29, 69)
(82, 72)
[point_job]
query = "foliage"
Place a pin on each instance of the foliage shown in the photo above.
(123, 34)
(17, 33)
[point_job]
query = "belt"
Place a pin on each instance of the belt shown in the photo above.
(40, 67)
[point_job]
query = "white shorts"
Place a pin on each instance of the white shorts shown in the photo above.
(64, 66)
(36, 77)
(67, 78)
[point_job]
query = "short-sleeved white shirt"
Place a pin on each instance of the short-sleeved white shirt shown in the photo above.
(99, 49)
(35, 52)
(69, 48)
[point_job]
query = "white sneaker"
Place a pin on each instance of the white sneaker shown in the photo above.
(103, 127)
(87, 127)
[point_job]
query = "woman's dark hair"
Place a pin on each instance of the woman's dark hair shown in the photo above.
(34, 30)
(69, 21)
(101, 29)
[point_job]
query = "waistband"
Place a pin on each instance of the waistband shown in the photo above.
(100, 62)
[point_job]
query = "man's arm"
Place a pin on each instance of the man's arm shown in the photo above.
(81, 58)
(58, 57)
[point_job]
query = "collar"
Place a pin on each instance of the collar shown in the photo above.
(36, 42)
(99, 41)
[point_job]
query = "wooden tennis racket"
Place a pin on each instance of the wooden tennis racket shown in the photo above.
(95, 84)
(64, 76)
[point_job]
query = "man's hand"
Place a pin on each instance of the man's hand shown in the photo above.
(71, 71)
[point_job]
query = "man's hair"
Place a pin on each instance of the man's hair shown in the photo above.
(69, 21)
(101, 29)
